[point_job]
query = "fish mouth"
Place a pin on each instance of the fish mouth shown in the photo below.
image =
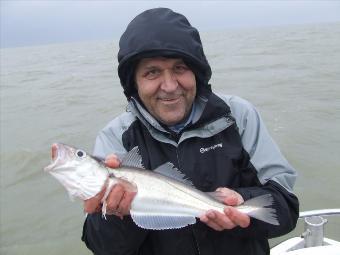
(58, 153)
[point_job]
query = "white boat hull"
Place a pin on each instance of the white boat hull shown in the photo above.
(312, 240)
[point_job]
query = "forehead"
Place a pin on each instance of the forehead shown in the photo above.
(158, 61)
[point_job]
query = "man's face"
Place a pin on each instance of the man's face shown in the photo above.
(167, 87)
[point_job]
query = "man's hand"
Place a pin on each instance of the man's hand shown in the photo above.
(119, 199)
(231, 217)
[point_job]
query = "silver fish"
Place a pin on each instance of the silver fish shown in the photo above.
(165, 198)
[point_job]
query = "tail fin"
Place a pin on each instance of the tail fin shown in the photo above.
(261, 212)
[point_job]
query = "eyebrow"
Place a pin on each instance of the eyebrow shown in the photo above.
(152, 66)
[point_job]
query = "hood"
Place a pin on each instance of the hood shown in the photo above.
(161, 32)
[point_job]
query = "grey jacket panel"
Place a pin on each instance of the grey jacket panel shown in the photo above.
(263, 152)
(109, 139)
(209, 129)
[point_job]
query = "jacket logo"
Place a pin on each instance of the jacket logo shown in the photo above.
(204, 150)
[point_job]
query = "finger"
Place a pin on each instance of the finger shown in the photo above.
(114, 197)
(240, 219)
(220, 220)
(231, 200)
(99, 208)
(125, 204)
(223, 221)
(91, 205)
(234, 199)
(208, 219)
(214, 226)
(225, 191)
(229, 196)
(119, 215)
(112, 161)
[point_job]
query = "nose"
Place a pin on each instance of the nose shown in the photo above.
(169, 83)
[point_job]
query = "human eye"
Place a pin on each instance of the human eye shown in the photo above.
(180, 68)
(152, 73)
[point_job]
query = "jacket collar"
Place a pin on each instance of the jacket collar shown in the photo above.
(147, 119)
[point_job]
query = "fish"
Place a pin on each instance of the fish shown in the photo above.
(165, 198)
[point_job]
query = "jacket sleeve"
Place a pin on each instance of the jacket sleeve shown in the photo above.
(109, 139)
(112, 235)
(276, 175)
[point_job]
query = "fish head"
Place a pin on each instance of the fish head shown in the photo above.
(81, 175)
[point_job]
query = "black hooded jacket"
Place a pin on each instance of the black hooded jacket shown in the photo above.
(226, 145)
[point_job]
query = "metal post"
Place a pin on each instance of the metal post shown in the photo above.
(314, 231)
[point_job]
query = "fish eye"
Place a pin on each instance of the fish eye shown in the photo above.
(81, 154)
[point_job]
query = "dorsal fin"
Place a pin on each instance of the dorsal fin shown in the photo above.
(168, 169)
(132, 159)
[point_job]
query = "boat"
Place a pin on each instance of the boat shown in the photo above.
(312, 240)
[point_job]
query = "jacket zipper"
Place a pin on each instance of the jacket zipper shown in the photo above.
(192, 229)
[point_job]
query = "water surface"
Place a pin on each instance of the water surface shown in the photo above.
(68, 92)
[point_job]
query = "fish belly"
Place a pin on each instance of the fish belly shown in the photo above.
(164, 204)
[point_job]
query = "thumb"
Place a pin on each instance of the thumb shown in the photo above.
(112, 161)
(231, 200)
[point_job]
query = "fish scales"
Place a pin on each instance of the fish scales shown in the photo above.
(155, 189)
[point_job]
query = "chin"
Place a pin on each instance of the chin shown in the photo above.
(172, 121)
(170, 118)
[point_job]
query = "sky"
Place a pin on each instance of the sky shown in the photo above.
(26, 23)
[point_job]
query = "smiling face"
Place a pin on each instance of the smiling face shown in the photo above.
(167, 87)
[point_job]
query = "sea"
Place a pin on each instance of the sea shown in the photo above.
(68, 92)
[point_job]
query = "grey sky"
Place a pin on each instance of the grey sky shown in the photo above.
(41, 22)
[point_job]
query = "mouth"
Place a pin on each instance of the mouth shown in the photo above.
(56, 155)
(54, 151)
(170, 100)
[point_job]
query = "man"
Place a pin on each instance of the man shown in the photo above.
(218, 142)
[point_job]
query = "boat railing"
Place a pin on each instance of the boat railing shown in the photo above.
(322, 212)
(314, 222)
